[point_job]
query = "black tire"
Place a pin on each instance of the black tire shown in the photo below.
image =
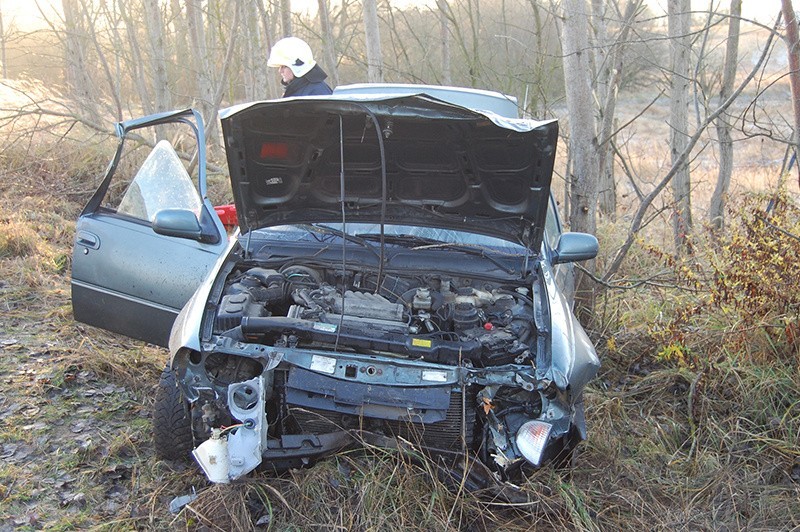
(172, 426)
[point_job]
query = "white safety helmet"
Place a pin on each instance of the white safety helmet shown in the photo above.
(294, 53)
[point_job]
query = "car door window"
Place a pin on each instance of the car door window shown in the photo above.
(161, 182)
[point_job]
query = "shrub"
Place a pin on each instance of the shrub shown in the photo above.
(744, 296)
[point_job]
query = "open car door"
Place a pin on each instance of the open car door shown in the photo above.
(149, 235)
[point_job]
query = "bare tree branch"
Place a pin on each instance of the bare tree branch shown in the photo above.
(636, 223)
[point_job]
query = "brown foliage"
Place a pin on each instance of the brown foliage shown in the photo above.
(742, 287)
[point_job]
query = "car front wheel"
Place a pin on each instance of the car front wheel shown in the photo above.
(172, 427)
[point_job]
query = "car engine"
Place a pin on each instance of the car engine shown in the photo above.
(450, 320)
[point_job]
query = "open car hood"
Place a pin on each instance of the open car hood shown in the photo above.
(428, 162)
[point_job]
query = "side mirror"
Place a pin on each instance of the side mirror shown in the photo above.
(574, 247)
(180, 223)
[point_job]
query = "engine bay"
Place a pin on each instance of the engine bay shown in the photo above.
(433, 317)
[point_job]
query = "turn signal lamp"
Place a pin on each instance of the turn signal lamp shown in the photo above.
(532, 439)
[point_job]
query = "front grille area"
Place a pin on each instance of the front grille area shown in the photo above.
(445, 434)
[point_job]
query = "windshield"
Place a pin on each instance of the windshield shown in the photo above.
(417, 236)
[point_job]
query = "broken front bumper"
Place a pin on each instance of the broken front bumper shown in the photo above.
(342, 400)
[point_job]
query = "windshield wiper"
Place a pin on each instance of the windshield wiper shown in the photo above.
(413, 240)
(325, 230)
(421, 242)
(469, 250)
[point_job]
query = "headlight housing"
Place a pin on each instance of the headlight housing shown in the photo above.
(532, 440)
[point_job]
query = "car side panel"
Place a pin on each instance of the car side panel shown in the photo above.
(574, 355)
(130, 280)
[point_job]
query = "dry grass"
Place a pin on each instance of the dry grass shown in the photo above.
(16, 239)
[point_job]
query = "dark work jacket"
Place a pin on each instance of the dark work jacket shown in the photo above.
(312, 84)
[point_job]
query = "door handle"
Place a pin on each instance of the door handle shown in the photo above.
(90, 240)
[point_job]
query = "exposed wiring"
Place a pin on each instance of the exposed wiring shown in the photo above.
(384, 187)
(344, 231)
(226, 430)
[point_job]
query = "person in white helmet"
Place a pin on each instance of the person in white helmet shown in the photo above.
(300, 74)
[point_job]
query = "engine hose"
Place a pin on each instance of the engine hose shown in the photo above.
(516, 295)
(424, 347)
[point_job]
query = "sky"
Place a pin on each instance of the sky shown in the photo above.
(25, 14)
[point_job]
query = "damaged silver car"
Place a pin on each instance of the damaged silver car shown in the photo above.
(398, 274)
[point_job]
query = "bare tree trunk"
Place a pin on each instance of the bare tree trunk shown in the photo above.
(76, 74)
(399, 41)
(155, 33)
(679, 13)
(215, 32)
(137, 63)
(267, 26)
(466, 45)
(474, 16)
(582, 137)
(286, 18)
(373, 42)
(117, 40)
(328, 44)
(607, 192)
(602, 66)
(580, 108)
(444, 33)
(699, 94)
(608, 187)
(255, 51)
(180, 45)
(3, 46)
(114, 83)
(211, 118)
(250, 49)
(541, 55)
(716, 210)
(793, 45)
(197, 39)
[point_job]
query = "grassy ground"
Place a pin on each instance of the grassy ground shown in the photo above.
(688, 431)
